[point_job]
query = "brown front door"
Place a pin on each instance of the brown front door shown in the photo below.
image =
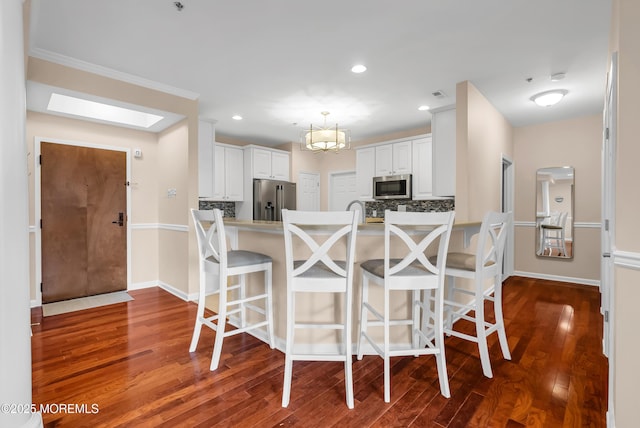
(84, 205)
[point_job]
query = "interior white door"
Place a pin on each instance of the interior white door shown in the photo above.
(607, 229)
(308, 191)
(508, 205)
(342, 190)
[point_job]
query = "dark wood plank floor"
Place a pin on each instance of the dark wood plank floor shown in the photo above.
(132, 361)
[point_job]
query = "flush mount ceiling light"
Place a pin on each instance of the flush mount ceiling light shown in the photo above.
(324, 138)
(549, 98)
(95, 110)
(236, 117)
(358, 68)
(423, 108)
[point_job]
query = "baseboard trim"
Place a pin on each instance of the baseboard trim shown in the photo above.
(166, 287)
(582, 281)
(160, 226)
(173, 290)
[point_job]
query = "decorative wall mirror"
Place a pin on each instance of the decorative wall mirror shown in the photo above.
(554, 212)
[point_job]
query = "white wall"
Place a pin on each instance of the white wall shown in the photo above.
(577, 143)
(15, 316)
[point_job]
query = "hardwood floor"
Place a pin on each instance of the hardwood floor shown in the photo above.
(131, 360)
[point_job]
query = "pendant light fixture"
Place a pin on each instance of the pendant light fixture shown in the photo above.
(325, 138)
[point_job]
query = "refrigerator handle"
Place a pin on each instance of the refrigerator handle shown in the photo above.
(279, 201)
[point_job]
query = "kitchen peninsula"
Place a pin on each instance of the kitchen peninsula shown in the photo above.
(267, 237)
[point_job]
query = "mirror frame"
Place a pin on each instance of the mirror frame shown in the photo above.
(555, 194)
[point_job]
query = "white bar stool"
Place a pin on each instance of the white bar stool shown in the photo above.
(484, 265)
(215, 259)
(319, 273)
(415, 273)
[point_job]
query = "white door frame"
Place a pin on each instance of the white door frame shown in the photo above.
(507, 204)
(38, 204)
(607, 229)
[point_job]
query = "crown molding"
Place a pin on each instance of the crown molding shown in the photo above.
(110, 73)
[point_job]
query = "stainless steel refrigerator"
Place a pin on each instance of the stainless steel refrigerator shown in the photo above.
(270, 197)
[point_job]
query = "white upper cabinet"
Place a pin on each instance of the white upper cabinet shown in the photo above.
(261, 163)
(384, 162)
(443, 132)
(280, 166)
(228, 173)
(402, 158)
(422, 179)
(365, 171)
(416, 156)
(206, 137)
(393, 159)
(269, 164)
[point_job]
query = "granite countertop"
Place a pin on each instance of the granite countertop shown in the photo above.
(264, 225)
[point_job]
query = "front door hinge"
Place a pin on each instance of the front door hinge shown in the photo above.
(41, 288)
(40, 159)
(606, 225)
(606, 316)
(40, 223)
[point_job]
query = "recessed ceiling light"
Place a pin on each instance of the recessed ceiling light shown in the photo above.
(359, 68)
(423, 108)
(95, 110)
(236, 117)
(549, 98)
(557, 76)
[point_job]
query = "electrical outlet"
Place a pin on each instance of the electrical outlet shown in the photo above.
(171, 193)
(402, 208)
(374, 213)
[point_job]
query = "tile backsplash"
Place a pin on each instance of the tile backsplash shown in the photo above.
(228, 208)
(415, 206)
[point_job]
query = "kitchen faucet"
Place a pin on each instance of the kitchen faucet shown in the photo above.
(358, 205)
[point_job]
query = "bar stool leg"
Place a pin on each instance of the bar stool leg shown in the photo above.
(222, 321)
(288, 362)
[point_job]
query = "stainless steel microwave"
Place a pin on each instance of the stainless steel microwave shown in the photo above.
(392, 187)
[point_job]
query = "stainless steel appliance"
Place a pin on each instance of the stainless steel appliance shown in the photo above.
(270, 197)
(392, 187)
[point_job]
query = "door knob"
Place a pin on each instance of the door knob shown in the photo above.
(120, 221)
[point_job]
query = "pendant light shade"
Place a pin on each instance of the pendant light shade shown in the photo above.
(324, 138)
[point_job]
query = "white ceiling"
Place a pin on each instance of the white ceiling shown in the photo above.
(279, 63)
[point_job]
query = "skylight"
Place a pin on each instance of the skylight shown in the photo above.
(95, 110)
